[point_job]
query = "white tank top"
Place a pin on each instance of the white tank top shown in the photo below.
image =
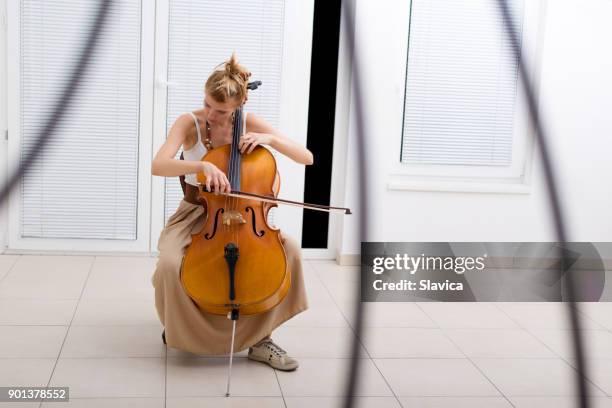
(198, 150)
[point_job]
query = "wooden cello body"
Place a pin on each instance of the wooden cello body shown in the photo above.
(237, 263)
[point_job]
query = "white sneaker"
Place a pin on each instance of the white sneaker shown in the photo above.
(270, 353)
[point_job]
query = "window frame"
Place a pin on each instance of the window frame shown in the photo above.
(293, 115)
(15, 240)
(485, 179)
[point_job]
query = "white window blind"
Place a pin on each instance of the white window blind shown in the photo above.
(202, 35)
(84, 185)
(461, 84)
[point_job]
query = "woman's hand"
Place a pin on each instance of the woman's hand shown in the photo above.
(215, 178)
(250, 140)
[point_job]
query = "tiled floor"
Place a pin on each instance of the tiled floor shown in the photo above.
(90, 323)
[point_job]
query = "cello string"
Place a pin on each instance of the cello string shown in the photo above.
(235, 164)
(238, 135)
(230, 171)
(226, 202)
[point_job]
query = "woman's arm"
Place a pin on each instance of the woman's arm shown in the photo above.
(261, 132)
(164, 163)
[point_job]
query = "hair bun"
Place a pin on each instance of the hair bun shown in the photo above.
(229, 80)
(232, 67)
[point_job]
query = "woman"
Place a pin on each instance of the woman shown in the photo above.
(186, 326)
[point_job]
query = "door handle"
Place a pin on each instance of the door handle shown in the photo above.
(162, 83)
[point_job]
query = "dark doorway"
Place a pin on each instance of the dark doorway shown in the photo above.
(321, 116)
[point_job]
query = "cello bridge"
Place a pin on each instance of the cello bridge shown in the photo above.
(233, 217)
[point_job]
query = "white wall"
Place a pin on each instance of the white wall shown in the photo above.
(3, 123)
(576, 93)
(293, 121)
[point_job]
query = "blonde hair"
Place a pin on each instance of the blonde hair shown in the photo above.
(229, 82)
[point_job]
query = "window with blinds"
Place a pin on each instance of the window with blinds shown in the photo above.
(461, 84)
(84, 184)
(202, 35)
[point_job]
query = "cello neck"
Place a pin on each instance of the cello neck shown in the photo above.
(234, 162)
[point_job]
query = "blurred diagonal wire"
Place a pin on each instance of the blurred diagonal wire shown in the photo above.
(555, 205)
(557, 213)
(348, 13)
(554, 200)
(62, 104)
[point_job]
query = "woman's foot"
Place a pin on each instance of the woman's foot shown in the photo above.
(270, 353)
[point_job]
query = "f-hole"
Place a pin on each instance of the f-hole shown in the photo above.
(207, 235)
(254, 221)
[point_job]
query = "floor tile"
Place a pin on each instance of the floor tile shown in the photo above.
(558, 402)
(26, 372)
(316, 342)
(31, 341)
(117, 313)
(597, 343)
(108, 403)
(111, 377)
(126, 278)
(46, 277)
(224, 402)
(459, 315)
(326, 378)
(599, 312)
(6, 263)
(392, 314)
(435, 377)
(409, 343)
(455, 402)
(31, 312)
(174, 352)
(330, 271)
(113, 341)
(599, 371)
(544, 315)
(319, 314)
(193, 377)
(113, 354)
(316, 291)
(337, 402)
(499, 343)
(531, 377)
(19, 404)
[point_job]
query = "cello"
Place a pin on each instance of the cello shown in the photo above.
(237, 264)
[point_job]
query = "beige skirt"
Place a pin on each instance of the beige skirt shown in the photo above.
(190, 329)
